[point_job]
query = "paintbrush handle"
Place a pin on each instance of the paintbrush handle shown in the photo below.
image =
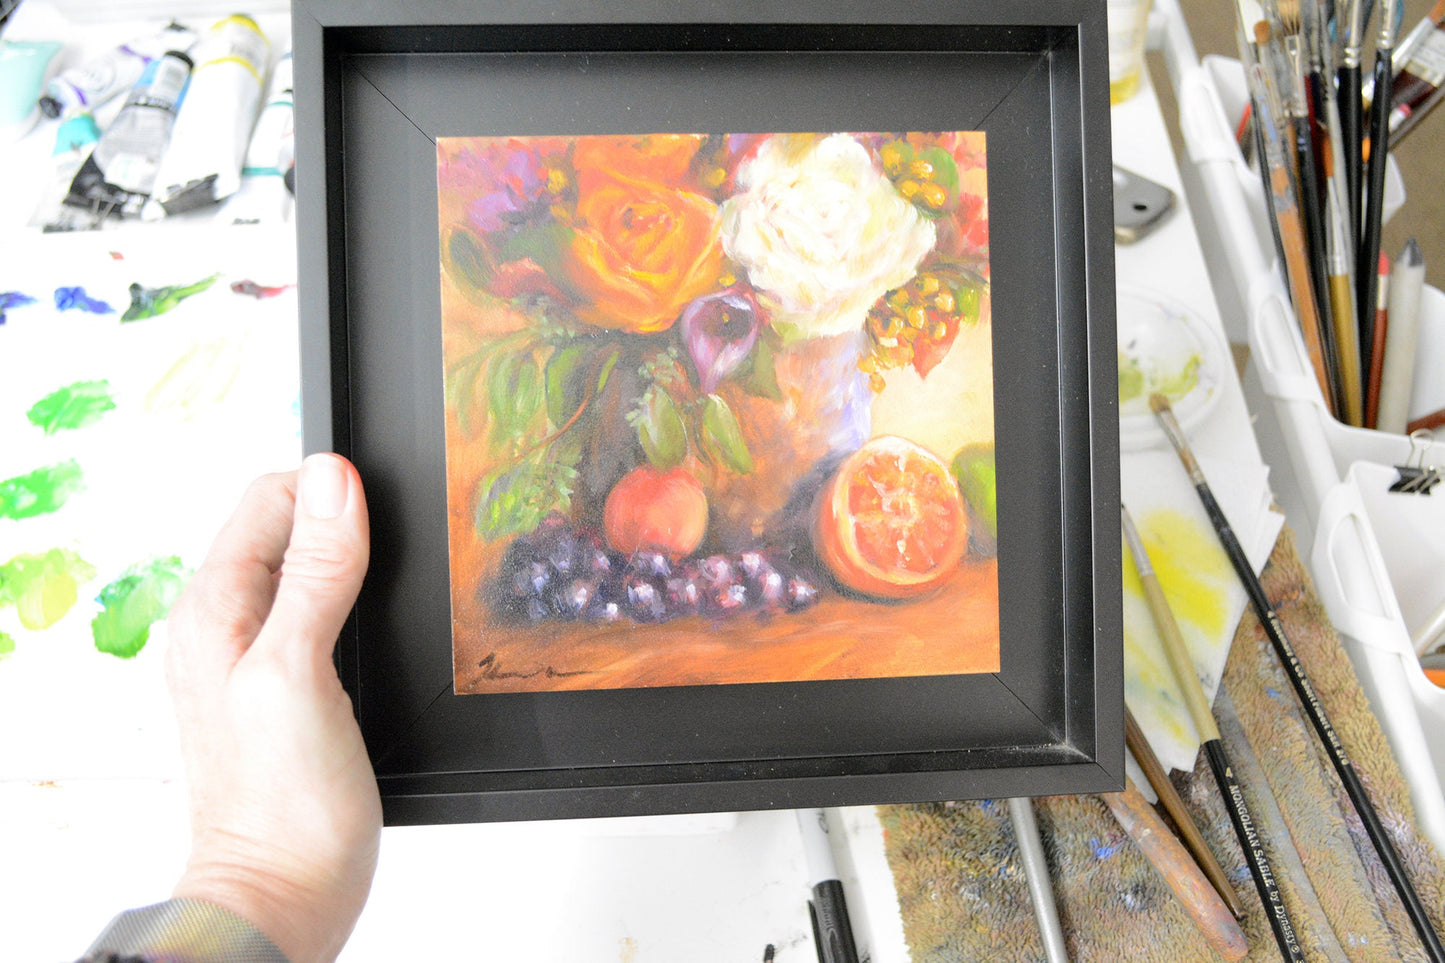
(1178, 654)
(1247, 832)
(1374, 190)
(1138, 744)
(1350, 111)
(1036, 871)
(1174, 864)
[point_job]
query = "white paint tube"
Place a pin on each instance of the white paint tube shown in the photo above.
(264, 197)
(203, 163)
(87, 85)
(118, 176)
(74, 140)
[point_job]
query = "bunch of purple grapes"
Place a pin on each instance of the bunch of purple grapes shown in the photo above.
(566, 572)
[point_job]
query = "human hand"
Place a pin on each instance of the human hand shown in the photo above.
(285, 813)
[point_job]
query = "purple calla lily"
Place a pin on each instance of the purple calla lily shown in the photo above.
(719, 330)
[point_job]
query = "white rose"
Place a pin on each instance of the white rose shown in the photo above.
(822, 233)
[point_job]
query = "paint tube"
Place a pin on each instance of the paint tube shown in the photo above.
(265, 197)
(88, 85)
(22, 70)
(1418, 79)
(118, 176)
(203, 163)
(74, 141)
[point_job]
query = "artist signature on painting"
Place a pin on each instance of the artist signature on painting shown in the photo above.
(491, 668)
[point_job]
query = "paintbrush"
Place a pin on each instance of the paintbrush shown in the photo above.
(1352, 26)
(1143, 753)
(1342, 303)
(1036, 871)
(1177, 868)
(1312, 208)
(1309, 700)
(1289, 234)
(1245, 828)
(1374, 187)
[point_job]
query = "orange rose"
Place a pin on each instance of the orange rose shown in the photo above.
(640, 252)
(660, 158)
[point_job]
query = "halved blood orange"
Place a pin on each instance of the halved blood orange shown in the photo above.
(891, 522)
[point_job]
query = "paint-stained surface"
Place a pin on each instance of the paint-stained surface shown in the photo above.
(1205, 597)
(964, 895)
(704, 398)
(126, 447)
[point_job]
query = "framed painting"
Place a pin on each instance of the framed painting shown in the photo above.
(734, 390)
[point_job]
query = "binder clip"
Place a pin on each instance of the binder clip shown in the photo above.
(1417, 478)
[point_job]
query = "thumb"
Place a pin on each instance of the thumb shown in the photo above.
(324, 563)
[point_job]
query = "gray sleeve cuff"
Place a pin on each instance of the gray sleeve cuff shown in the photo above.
(185, 931)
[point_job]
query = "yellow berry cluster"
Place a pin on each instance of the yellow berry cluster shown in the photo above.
(919, 311)
(914, 178)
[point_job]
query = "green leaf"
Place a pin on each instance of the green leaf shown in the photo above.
(462, 389)
(967, 295)
(760, 378)
(722, 436)
(466, 260)
(660, 430)
(514, 501)
(543, 243)
(514, 393)
(607, 367)
(565, 391)
(945, 170)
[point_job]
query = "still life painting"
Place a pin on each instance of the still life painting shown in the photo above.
(719, 408)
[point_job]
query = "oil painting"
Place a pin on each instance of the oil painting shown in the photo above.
(719, 408)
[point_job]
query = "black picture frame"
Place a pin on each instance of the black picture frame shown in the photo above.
(377, 82)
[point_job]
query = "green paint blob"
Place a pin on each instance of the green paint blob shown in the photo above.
(151, 302)
(74, 406)
(43, 587)
(7, 645)
(40, 492)
(134, 602)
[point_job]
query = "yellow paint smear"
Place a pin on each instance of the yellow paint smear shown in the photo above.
(1191, 567)
(1197, 580)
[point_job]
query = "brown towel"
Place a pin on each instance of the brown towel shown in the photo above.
(962, 888)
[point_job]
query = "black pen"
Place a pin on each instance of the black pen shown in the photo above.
(832, 930)
(1365, 275)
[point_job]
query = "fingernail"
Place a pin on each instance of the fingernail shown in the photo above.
(322, 486)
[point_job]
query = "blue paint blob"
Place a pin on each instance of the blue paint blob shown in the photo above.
(1272, 692)
(1101, 851)
(12, 299)
(67, 299)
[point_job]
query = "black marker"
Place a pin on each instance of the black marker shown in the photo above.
(832, 930)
